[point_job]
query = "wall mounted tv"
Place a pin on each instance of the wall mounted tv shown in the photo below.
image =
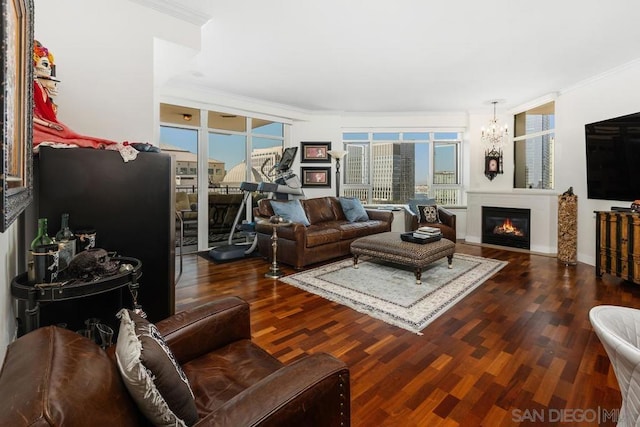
(613, 158)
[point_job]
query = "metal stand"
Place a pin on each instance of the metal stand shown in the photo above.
(274, 271)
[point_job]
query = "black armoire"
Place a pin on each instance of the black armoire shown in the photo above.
(131, 207)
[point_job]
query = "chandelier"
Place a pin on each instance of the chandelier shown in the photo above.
(493, 140)
(493, 135)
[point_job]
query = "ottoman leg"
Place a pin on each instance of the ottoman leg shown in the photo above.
(418, 276)
(450, 260)
(355, 261)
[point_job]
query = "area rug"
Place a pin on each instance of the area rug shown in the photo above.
(389, 292)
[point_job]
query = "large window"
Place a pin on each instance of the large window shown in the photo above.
(534, 136)
(238, 148)
(393, 167)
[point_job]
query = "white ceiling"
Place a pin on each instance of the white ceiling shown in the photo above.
(409, 55)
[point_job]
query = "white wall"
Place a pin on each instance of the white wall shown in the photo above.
(615, 94)
(103, 53)
(104, 56)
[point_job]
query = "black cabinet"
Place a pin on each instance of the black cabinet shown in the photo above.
(131, 207)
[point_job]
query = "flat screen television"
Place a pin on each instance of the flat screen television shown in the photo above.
(613, 158)
(288, 156)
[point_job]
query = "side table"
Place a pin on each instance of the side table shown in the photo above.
(34, 295)
(274, 271)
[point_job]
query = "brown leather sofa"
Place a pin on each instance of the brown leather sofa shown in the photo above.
(329, 235)
(55, 377)
(447, 224)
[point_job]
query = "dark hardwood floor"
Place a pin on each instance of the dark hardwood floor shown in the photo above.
(520, 348)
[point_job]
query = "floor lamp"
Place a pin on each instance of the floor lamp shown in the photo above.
(337, 154)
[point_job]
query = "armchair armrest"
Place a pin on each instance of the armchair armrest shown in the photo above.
(198, 331)
(311, 391)
(410, 219)
(447, 217)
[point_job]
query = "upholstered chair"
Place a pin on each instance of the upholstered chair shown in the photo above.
(618, 328)
(199, 367)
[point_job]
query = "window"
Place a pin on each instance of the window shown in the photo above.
(393, 167)
(534, 137)
(232, 142)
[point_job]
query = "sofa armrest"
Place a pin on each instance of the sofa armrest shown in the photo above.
(380, 215)
(311, 391)
(200, 330)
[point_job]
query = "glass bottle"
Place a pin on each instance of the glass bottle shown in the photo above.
(42, 238)
(66, 242)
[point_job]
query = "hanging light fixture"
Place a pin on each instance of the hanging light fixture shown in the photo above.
(493, 137)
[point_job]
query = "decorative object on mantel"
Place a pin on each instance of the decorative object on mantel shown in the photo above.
(635, 206)
(493, 140)
(338, 155)
(568, 227)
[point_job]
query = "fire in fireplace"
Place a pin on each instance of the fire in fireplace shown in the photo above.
(506, 226)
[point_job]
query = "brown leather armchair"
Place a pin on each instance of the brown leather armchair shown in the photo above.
(55, 377)
(447, 224)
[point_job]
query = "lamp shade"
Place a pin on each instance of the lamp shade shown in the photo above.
(337, 154)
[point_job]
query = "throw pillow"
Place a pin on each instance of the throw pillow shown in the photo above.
(291, 210)
(428, 214)
(413, 203)
(353, 209)
(151, 373)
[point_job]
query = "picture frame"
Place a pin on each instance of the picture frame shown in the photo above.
(16, 98)
(315, 152)
(316, 176)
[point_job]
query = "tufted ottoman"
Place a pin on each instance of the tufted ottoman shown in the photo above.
(389, 247)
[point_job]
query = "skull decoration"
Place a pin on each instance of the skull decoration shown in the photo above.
(92, 262)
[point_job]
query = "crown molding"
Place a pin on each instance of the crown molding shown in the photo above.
(194, 14)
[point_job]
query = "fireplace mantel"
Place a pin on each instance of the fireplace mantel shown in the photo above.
(544, 215)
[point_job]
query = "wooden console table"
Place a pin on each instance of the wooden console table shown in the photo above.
(57, 292)
(618, 244)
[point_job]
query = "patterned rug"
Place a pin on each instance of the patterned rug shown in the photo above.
(388, 291)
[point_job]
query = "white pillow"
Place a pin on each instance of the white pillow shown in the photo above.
(155, 380)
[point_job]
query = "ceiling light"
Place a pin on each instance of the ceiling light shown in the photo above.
(493, 138)
(187, 117)
(495, 133)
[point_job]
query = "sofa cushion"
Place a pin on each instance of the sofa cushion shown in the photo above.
(353, 230)
(323, 233)
(319, 210)
(428, 214)
(151, 373)
(353, 209)
(290, 210)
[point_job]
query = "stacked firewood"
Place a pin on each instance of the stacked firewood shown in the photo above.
(568, 228)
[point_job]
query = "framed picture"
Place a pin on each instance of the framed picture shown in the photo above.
(316, 177)
(16, 98)
(315, 152)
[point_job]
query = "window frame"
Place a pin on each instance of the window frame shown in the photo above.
(551, 132)
(365, 191)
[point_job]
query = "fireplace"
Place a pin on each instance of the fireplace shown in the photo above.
(506, 227)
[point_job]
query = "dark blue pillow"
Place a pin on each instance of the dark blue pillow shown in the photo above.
(353, 209)
(291, 210)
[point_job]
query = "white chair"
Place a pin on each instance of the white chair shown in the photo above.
(618, 328)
